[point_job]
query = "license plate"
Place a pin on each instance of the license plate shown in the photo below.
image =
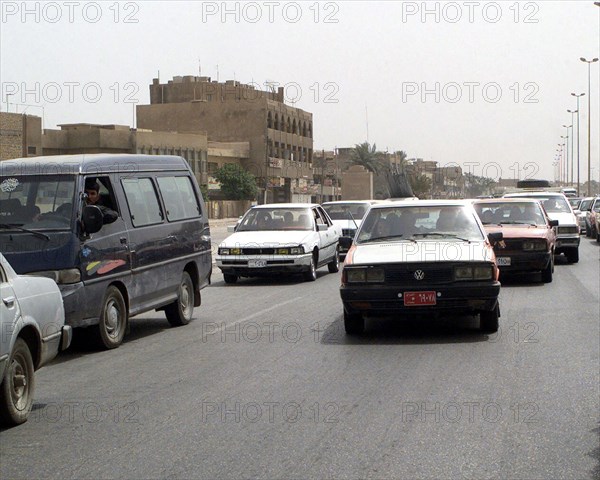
(419, 298)
(257, 263)
(503, 261)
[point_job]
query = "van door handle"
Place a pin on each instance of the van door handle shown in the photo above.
(9, 301)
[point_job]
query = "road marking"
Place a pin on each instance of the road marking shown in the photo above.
(250, 317)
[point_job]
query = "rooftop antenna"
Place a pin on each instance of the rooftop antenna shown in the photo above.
(367, 121)
(270, 85)
(199, 68)
(217, 73)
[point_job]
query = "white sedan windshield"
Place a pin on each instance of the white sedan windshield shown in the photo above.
(265, 219)
(412, 223)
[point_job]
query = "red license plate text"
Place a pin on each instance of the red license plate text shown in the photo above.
(419, 298)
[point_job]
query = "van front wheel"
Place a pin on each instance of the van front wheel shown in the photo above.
(113, 319)
(180, 311)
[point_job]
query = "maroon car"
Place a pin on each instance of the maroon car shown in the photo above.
(528, 234)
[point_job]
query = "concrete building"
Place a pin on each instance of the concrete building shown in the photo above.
(327, 175)
(280, 137)
(20, 135)
(77, 138)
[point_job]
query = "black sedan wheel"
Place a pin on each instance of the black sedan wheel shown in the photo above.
(488, 321)
(354, 323)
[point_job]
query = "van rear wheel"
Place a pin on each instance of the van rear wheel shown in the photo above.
(113, 319)
(180, 311)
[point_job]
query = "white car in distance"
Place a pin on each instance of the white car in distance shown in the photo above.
(348, 215)
(282, 238)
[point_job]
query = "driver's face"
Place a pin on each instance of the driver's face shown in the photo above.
(93, 196)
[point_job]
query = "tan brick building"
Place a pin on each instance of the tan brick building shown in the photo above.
(20, 135)
(280, 137)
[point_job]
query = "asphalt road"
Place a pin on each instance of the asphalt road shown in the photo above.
(265, 384)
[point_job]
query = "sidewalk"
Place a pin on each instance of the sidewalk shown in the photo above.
(219, 222)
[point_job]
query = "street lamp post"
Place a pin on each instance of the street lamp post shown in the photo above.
(566, 157)
(567, 154)
(572, 112)
(589, 62)
(562, 162)
(578, 179)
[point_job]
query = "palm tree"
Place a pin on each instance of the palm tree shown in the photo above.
(421, 185)
(367, 156)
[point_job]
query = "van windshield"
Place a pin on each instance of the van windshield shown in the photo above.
(37, 202)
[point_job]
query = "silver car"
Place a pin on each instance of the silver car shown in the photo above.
(32, 322)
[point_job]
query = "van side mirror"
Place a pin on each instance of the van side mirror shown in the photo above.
(91, 218)
(495, 237)
(554, 223)
(321, 227)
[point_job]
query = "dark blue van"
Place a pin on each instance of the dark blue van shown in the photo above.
(120, 235)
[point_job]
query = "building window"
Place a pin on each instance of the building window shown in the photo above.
(31, 150)
(212, 167)
(269, 120)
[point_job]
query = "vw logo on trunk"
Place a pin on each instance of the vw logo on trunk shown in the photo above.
(419, 274)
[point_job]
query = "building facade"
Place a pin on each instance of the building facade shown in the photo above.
(20, 135)
(280, 137)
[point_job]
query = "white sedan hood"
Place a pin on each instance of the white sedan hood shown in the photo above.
(422, 251)
(563, 218)
(267, 239)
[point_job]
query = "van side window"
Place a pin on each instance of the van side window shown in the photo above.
(142, 200)
(179, 197)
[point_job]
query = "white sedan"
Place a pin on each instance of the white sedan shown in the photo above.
(280, 238)
(32, 319)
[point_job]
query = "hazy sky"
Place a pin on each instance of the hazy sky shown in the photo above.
(488, 83)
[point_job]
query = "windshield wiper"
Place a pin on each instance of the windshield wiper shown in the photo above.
(441, 234)
(388, 237)
(352, 218)
(12, 226)
(516, 222)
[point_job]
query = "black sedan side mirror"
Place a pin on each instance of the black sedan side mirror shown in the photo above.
(346, 242)
(553, 223)
(91, 218)
(495, 237)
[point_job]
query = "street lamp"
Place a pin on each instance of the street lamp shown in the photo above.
(566, 163)
(560, 162)
(572, 142)
(567, 155)
(589, 62)
(578, 179)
